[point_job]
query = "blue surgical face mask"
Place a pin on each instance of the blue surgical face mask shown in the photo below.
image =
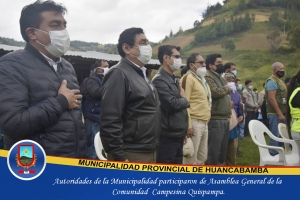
(234, 72)
(240, 87)
(250, 87)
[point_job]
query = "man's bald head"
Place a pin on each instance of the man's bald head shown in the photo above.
(278, 69)
(277, 65)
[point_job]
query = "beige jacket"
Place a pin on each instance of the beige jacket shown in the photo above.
(198, 98)
(251, 99)
(261, 97)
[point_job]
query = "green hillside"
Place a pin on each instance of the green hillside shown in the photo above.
(253, 54)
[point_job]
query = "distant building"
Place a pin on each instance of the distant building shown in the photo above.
(82, 61)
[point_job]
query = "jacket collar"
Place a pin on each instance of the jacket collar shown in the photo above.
(163, 72)
(138, 70)
(213, 73)
(33, 51)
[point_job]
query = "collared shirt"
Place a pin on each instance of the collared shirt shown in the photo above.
(144, 69)
(203, 80)
(51, 62)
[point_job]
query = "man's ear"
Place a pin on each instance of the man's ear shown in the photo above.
(31, 33)
(126, 48)
(165, 57)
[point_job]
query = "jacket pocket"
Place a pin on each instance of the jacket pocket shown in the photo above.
(177, 121)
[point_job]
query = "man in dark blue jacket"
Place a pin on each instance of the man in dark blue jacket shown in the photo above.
(39, 94)
(93, 104)
(173, 106)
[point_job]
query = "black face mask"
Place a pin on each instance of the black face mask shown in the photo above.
(280, 74)
(220, 68)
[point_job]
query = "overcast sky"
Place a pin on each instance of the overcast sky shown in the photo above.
(102, 21)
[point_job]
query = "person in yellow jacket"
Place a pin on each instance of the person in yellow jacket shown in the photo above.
(198, 94)
(293, 108)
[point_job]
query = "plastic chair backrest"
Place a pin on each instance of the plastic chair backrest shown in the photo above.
(257, 130)
(284, 134)
(99, 147)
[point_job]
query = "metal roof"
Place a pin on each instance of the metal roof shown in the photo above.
(87, 54)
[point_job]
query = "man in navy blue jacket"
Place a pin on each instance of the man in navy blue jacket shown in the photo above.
(93, 104)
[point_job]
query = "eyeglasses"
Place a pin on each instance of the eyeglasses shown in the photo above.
(176, 56)
(200, 62)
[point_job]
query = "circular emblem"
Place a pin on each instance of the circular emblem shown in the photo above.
(26, 160)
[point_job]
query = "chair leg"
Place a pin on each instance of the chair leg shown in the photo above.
(261, 163)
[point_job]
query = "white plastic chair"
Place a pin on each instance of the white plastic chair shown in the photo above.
(99, 147)
(257, 130)
(284, 134)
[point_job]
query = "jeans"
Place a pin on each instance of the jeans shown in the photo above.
(273, 126)
(240, 128)
(92, 129)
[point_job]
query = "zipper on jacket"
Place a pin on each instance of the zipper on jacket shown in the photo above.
(76, 134)
(58, 76)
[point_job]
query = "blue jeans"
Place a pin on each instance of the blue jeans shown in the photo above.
(273, 126)
(92, 129)
(240, 128)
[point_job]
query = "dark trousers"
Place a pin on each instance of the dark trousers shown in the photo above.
(250, 116)
(170, 150)
(218, 134)
(137, 157)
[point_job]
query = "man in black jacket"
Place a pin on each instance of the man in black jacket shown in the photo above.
(93, 104)
(130, 113)
(173, 106)
(39, 94)
(83, 89)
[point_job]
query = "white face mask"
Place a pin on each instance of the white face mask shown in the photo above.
(176, 65)
(145, 54)
(60, 42)
(201, 72)
(232, 86)
(105, 70)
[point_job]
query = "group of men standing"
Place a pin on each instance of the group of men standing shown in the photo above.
(139, 120)
(152, 119)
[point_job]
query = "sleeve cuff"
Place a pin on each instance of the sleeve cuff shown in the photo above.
(62, 100)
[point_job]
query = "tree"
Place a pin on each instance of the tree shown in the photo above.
(242, 5)
(293, 35)
(179, 31)
(274, 41)
(171, 34)
(275, 20)
(252, 17)
(228, 44)
(248, 20)
(196, 23)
